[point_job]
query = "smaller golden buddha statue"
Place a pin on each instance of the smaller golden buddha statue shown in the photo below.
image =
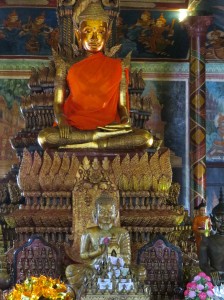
(201, 225)
(100, 242)
(95, 115)
(92, 247)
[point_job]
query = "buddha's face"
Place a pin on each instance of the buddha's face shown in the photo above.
(106, 215)
(93, 35)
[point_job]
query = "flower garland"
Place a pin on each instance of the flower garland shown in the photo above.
(35, 288)
(200, 288)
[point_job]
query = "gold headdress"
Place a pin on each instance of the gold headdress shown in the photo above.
(162, 19)
(13, 14)
(93, 11)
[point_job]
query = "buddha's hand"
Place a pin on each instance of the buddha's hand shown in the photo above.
(99, 251)
(126, 126)
(64, 127)
(125, 120)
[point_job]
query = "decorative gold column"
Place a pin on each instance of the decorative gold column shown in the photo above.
(197, 28)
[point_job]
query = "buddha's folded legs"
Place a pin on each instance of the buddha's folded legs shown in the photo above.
(75, 274)
(95, 139)
(50, 138)
(138, 138)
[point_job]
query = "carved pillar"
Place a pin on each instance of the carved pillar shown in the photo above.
(197, 28)
(66, 33)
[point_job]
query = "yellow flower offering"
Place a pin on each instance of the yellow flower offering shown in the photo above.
(35, 288)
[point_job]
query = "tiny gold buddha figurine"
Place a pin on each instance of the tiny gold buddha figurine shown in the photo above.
(95, 115)
(211, 258)
(201, 224)
(99, 242)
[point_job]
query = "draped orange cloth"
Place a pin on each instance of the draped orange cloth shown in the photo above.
(199, 223)
(94, 85)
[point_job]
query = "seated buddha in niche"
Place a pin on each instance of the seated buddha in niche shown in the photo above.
(99, 242)
(95, 115)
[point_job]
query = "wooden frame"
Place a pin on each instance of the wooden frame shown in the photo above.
(14, 75)
(168, 4)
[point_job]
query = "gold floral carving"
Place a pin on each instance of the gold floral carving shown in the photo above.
(47, 173)
(24, 171)
(135, 174)
(49, 169)
(151, 218)
(63, 171)
(56, 179)
(61, 174)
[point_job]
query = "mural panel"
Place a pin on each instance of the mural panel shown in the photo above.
(152, 35)
(169, 121)
(215, 121)
(156, 4)
(27, 31)
(11, 120)
(214, 134)
(215, 36)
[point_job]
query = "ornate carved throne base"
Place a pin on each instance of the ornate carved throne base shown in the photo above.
(60, 189)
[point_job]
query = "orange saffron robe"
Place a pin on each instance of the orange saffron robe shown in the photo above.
(199, 223)
(94, 85)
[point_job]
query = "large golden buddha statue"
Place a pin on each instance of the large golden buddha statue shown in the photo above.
(95, 115)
